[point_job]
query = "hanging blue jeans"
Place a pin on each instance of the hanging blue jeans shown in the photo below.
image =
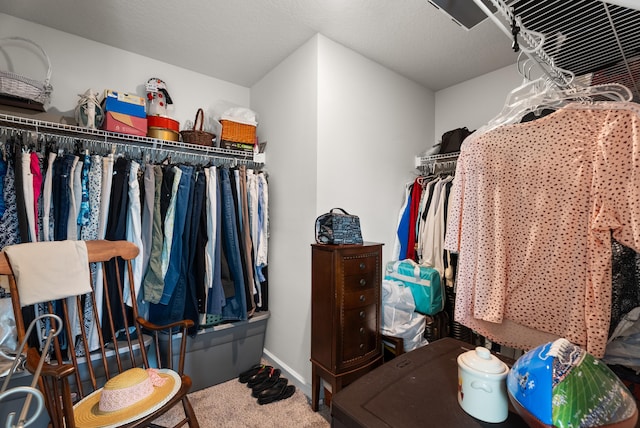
(236, 306)
(194, 272)
(175, 260)
(171, 306)
(61, 197)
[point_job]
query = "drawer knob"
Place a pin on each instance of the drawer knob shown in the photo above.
(361, 314)
(361, 330)
(362, 298)
(362, 346)
(363, 282)
(362, 265)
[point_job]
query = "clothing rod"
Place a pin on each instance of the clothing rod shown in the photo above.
(534, 51)
(15, 123)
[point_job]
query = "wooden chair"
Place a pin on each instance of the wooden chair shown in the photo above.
(69, 377)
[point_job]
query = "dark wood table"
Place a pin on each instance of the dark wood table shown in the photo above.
(415, 389)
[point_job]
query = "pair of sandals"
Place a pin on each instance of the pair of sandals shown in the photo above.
(266, 384)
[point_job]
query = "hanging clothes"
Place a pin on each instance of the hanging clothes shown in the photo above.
(414, 205)
(235, 307)
(532, 210)
(47, 206)
(431, 239)
(202, 232)
(153, 279)
(116, 231)
(402, 227)
(215, 293)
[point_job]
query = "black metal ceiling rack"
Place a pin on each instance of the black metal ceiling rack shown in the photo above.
(597, 41)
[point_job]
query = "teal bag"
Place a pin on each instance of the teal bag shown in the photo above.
(423, 281)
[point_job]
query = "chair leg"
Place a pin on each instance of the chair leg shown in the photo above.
(188, 411)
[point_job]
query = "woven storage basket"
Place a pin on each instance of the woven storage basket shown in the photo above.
(15, 85)
(198, 136)
(238, 132)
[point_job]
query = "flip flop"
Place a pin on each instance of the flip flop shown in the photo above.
(267, 383)
(274, 391)
(248, 374)
(285, 393)
(261, 376)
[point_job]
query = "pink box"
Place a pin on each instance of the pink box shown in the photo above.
(125, 124)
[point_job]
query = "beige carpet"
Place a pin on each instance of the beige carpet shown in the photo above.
(231, 405)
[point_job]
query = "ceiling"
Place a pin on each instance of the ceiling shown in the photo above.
(239, 41)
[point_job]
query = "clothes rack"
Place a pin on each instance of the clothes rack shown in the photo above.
(136, 146)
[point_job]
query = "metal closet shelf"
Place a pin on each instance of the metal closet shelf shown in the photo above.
(117, 140)
(435, 164)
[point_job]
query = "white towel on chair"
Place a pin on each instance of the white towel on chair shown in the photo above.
(49, 270)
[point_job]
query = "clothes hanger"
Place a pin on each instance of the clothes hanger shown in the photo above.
(542, 93)
(552, 91)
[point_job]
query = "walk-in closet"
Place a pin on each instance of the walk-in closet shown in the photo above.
(412, 193)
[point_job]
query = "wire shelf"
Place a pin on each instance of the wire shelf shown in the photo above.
(41, 127)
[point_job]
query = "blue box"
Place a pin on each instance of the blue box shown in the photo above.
(121, 102)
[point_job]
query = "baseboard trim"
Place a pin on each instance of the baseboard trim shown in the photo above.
(293, 376)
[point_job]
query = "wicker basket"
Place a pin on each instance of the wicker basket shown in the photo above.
(238, 132)
(198, 136)
(15, 85)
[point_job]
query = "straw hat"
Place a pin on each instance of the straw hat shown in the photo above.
(129, 396)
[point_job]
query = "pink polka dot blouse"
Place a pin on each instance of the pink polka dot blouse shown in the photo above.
(531, 213)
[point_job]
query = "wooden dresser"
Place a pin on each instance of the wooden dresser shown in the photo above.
(345, 313)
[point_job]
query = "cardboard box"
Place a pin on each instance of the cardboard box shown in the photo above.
(125, 124)
(121, 102)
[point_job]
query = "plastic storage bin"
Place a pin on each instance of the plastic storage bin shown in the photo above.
(220, 353)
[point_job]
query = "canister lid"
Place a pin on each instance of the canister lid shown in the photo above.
(483, 361)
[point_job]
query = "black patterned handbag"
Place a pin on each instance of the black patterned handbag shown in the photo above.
(338, 228)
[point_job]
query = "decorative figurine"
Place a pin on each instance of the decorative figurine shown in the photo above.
(88, 111)
(158, 98)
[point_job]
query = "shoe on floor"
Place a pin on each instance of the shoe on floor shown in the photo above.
(261, 376)
(267, 383)
(248, 374)
(280, 391)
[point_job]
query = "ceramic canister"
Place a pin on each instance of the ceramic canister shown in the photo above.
(482, 390)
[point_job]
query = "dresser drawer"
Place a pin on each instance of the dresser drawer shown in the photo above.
(345, 313)
(358, 299)
(361, 281)
(359, 336)
(360, 264)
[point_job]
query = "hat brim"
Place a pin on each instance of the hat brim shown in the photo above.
(86, 412)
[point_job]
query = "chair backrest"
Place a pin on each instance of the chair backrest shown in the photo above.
(84, 363)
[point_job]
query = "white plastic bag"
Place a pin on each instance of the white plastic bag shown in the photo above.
(399, 318)
(397, 304)
(8, 336)
(623, 347)
(8, 332)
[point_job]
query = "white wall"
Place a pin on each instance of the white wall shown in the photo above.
(342, 131)
(286, 99)
(79, 64)
(474, 102)
(372, 122)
